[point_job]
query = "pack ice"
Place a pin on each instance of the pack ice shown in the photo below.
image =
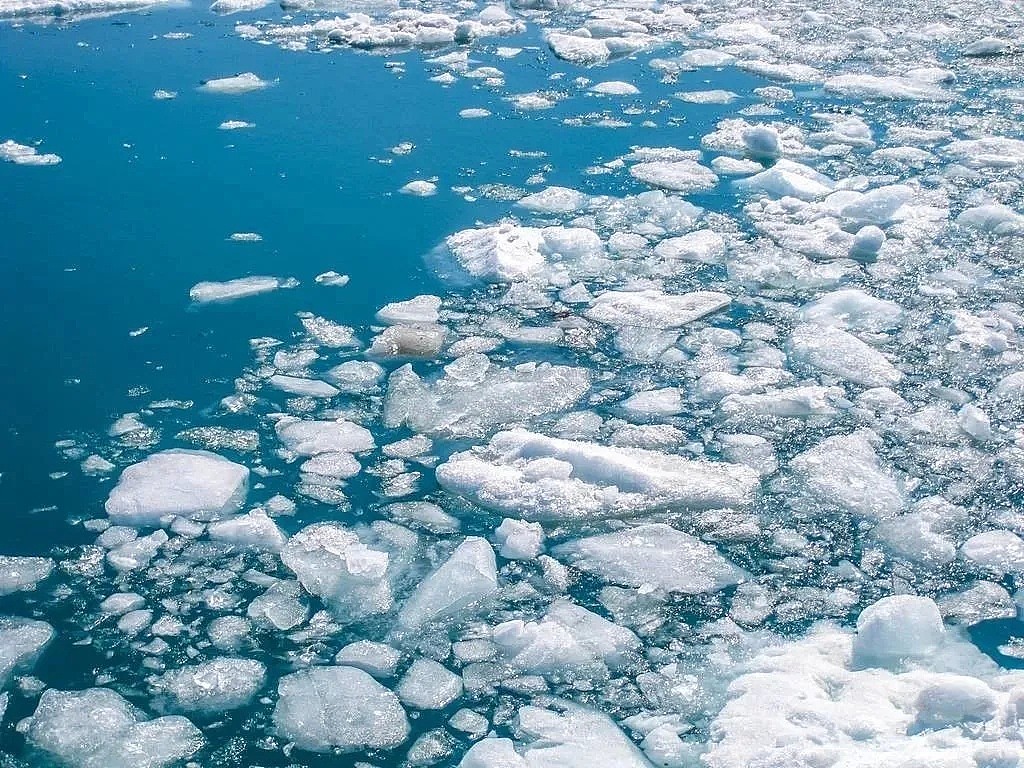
(529, 475)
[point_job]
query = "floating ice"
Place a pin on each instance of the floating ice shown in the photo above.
(20, 154)
(568, 636)
(296, 385)
(194, 484)
(208, 292)
(543, 478)
(686, 176)
(419, 188)
(841, 354)
(327, 708)
(96, 727)
(578, 49)
(243, 83)
(420, 309)
(22, 574)
(570, 736)
(787, 179)
(474, 396)
(429, 685)
(655, 555)
(237, 125)
(653, 309)
(554, 200)
(332, 563)
(377, 659)
(211, 687)
(254, 529)
(468, 576)
(22, 641)
(999, 552)
(844, 473)
(519, 540)
(308, 438)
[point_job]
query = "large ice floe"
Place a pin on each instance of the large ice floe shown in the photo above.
(707, 454)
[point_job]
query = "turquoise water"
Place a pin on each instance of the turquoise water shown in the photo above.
(141, 208)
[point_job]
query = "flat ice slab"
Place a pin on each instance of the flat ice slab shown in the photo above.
(327, 708)
(194, 484)
(655, 556)
(528, 475)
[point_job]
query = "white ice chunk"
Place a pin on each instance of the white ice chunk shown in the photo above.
(243, 83)
(22, 574)
(22, 641)
(332, 563)
(308, 438)
(845, 473)
(897, 628)
(542, 478)
(377, 659)
(518, 539)
(97, 728)
(254, 529)
(685, 176)
(567, 636)
(653, 309)
(421, 309)
(468, 576)
(999, 552)
(429, 685)
(302, 387)
(474, 396)
(21, 154)
(211, 687)
(207, 292)
(834, 351)
(193, 484)
(653, 556)
(327, 708)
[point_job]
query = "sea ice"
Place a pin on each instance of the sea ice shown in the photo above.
(327, 708)
(654, 555)
(97, 728)
(193, 484)
(536, 477)
(210, 687)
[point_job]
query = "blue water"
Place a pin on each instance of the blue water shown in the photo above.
(148, 192)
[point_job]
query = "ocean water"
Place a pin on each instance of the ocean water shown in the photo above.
(100, 252)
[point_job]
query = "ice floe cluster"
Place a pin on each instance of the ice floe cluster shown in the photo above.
(654, 483)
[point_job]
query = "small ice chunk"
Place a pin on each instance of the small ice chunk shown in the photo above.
(762, 142)
(419, 188)
(193, 484)
(332, 278)
(897, 628)
(332, 563)
(655, 402)
(853, 309)
(120, 603)
(355, 376)
(97, 727)
(787, 179)
(553, 200)
(841, 354)
(21, 154)
(423, 341)
(377, 659)
(237, 84)
(211, 687)
(308, 438)
(614, 88)
(844, 472)
(998, 552)
(654, 309)
(519, 540)
(302, 387)
(254, 529)
(22, 641)
(685, 176)
(468, 576)
(429, 685)
(421, 309)
(474, 113)
(240, 288)
(567, 636)
(577, 49)
(653, 556)
(22, 574)
(237, 125)
(327, 708)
